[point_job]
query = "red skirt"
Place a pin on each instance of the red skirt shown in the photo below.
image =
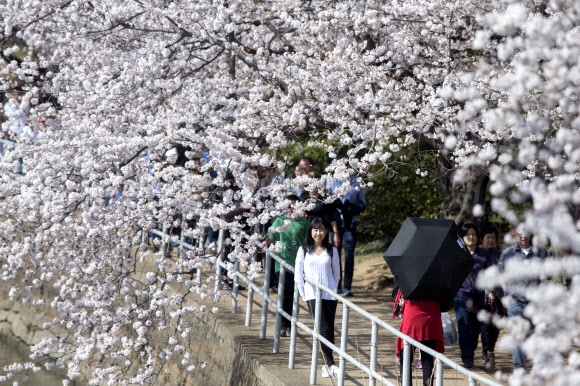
(422, 321)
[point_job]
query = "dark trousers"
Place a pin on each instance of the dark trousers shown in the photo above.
(468, 326)
(489, 334)
(426, 359)
(287, 296)
(212, 235)
(348, 243)
(327, 314)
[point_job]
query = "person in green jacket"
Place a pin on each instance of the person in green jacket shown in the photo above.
(290, 230)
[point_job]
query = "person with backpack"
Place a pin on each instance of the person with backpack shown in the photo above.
(318, 261)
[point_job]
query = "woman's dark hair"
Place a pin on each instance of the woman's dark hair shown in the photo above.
(487, 230)
(308, 159)
(466, 227)
(316, 223)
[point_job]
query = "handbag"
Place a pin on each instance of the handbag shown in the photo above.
(449, 331)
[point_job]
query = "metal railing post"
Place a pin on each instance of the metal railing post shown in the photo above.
(266, 298)
(250, 298)
(439, 373)
(295, 309)
(219, 259)
(201, 240)
(374, 344)
(235, 286)
(343, 342)
(406, 364)
(315, 339)
(144, 239)
(164, 243)
(279, 305)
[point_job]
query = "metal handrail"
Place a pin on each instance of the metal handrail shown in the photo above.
(347, 306)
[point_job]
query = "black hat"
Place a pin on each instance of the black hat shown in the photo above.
(293, 197)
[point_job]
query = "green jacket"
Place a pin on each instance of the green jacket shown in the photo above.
(291, 238)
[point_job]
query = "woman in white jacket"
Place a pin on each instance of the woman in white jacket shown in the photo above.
(318, 260)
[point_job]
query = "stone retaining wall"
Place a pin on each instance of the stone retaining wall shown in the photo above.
(228, 362)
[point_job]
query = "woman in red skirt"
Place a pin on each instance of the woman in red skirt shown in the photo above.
(422, 322)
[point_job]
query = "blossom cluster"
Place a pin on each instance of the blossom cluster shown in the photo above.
(111, 87)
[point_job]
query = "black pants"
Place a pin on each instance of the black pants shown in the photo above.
(489, 334)
(327, 314)
(287, 296)
(426, 359)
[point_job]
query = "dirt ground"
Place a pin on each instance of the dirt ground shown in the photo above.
(372, 286)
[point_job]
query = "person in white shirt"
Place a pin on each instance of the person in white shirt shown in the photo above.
(318, 260)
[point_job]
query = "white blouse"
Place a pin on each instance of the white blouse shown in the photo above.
(319, 268)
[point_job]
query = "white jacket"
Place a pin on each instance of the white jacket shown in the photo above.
(319, 268)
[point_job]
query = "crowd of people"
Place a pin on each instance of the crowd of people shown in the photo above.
(422, 319)
(320, 244)
(502, 301)
(313, 242)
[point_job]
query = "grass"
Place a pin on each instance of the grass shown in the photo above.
(370, 250)
(359, 257)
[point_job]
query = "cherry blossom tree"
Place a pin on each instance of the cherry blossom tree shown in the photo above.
(113, 86)
(521, 102)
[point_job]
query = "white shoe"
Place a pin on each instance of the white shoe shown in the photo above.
(329, 373)
(334, 372)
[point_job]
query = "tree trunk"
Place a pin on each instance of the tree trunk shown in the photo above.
(459, 198)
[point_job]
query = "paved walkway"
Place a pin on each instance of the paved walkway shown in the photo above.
(274, 367)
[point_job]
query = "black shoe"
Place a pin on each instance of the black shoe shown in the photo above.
(490, 361)
(348, 293)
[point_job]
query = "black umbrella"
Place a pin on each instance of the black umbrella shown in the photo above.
(429, 260)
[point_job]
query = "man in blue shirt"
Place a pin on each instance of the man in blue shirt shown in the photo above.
(514, 301)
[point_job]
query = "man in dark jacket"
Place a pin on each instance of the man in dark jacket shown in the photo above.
(514, 301)
(350, 206)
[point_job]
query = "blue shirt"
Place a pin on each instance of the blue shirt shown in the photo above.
(514, 252)
(354, 196)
